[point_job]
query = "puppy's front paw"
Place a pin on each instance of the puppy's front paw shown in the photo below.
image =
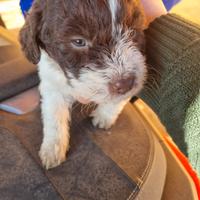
(52, 154)
(103, 119)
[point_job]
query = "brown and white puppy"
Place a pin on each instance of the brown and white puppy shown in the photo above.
(86, 50)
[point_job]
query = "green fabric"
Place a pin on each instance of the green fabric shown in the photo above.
(173, 86)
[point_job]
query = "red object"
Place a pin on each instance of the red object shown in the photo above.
(183, 159)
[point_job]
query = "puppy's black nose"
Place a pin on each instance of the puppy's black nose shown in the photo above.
(122, 86)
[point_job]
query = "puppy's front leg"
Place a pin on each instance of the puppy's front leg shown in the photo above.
(55, 113)
(106, 114)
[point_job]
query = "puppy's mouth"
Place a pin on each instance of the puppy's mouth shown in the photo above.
(83, 100)
(100, 98)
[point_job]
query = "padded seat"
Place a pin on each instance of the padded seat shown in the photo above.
(124, 163)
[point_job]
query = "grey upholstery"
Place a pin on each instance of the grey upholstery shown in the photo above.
(101, 165)
(20, 177)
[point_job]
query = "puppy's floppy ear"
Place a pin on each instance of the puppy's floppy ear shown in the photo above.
(29, 34)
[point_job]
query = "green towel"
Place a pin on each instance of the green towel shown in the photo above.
(173, 86)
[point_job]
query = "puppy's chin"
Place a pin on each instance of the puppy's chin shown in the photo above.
(102, 99)
(83, 100)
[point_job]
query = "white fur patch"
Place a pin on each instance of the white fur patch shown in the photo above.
(113, 8)
(106, 114)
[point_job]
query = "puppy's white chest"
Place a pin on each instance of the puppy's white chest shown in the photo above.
(51, 75)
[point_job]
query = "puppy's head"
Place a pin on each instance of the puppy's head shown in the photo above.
(97, 43)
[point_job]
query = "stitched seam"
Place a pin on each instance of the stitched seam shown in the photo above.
(133, 194)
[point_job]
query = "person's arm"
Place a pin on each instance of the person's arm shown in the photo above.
(172, 89)
(153, 9)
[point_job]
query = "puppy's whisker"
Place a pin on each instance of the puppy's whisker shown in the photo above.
(74, 107)
(153, 69)
(82, 109)
(86, 108)
(153, 81)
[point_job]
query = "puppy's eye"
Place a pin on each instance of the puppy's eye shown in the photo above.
(79, 42)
